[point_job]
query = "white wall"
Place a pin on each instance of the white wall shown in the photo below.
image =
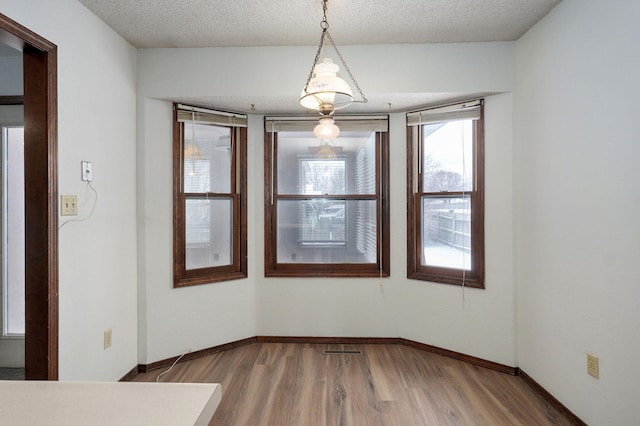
(174, 320)
(96, 122)
(471, 321)
(578, 206)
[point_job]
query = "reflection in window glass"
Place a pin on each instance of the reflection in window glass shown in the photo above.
(209, 233)
(207, 158)
(318, 230)
(322, 177)
(314, 229)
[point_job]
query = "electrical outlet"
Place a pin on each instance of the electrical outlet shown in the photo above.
(107, 338)
(593, 365)
(68, 205)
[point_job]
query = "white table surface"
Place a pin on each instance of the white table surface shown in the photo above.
(107, 403)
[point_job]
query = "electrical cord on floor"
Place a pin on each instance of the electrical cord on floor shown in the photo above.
(172, 365)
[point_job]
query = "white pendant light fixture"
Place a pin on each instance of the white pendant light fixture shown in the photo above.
(324, 91)
(326, 129)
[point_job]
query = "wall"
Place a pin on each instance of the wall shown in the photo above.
(578, 206)
(173, 321)
(96, 122)
(475, 322)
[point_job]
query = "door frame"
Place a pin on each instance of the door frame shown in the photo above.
(41, 193)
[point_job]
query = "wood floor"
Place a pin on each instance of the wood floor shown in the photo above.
(296, 384)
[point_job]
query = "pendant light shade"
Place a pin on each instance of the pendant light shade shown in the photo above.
(326, 92)
(326, 129)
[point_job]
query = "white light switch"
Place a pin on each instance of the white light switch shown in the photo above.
(68, 205)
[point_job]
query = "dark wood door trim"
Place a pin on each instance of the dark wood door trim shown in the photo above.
(41, 208)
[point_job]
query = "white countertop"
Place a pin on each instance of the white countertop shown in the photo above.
(107, 403)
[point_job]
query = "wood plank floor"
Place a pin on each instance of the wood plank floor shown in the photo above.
(387, 385)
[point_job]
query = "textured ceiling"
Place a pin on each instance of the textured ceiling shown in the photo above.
(217, 23)
(235, 23)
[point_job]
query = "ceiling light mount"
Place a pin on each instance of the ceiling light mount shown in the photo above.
(324, 91)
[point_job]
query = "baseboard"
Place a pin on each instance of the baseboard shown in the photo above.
(392, 341)
(130, 375)
(461, 357)
(551, 400)
(145, 368)
(514, 371)
(330, 340)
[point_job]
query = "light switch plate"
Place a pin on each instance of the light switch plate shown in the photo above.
(68, 205)
(593, 365)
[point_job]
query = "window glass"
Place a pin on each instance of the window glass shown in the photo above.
(446, 234)
(207, 158)
(447, 156)
(209, 232)
(326, 204)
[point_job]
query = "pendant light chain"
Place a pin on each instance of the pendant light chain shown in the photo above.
(346, 67)
(324, 24)
(317, 57)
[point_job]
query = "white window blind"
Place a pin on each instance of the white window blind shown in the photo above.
(375, 123)
(366, 220)
(189, 114)
(461, 111)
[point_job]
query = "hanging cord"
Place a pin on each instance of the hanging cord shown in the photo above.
(464, 181)
(193, 143)
(379, 152)
(93, 207)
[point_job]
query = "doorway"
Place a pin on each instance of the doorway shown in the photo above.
(40, 198)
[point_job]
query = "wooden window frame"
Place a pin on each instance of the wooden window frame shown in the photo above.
(348, 270)
(238, 267)
(475, 277)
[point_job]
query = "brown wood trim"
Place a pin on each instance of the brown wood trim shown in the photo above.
(41, 192)
(391, 341)
(461, 357)
(12, 100)
(16, 36)
(329, 340)
(514, 371)
(550, 399)
(145, 368)
(130, 375)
